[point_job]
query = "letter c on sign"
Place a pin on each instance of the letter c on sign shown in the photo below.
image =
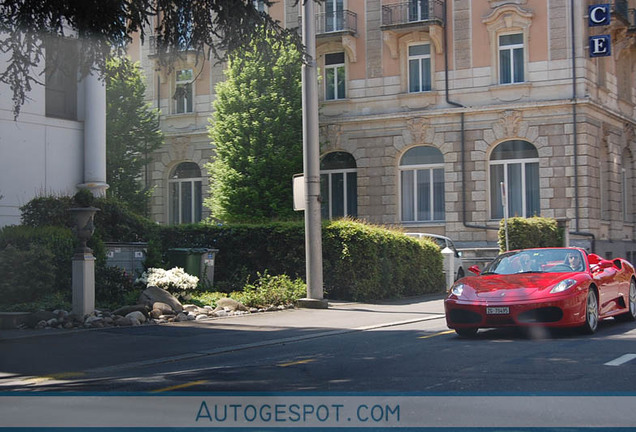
(599, 15)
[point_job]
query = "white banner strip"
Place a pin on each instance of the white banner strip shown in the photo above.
(298, 411)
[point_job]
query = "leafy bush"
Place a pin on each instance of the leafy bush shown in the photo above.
(530, 232)
(270, 290)
(113, 223)
(48, 301)
(27, 274)
(48, 211)
(244, 250)
(59, 241)
(366, 262)
(361, 261)
(112, 284)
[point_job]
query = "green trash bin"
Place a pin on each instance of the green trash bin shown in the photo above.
(189, 259)
(197, 262)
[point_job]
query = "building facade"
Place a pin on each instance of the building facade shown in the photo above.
(57, 144)
(430, 108)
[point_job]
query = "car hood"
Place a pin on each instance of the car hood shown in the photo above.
(515, 286)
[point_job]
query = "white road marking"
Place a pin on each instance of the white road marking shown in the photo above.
(621, 360)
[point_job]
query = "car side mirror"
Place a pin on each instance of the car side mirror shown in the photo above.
(600, 262)
(594, 259)
(474, 269)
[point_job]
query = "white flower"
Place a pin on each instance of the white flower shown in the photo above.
(175, 279)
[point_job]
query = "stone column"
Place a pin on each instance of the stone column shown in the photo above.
(94, 135)
(83, 284)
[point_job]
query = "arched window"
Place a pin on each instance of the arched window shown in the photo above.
(515, 163)
(186, 202)
(422, 185)
(338, 185)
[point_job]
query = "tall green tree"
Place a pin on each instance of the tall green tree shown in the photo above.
(257, 133)
(132, 134)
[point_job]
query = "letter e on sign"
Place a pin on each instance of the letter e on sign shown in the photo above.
(598, 15)
(600, 46)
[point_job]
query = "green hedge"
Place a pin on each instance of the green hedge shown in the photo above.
(530, 232)
(360, 261)
(113, 223)
(244, 250)
(58, 242)
(364, 262)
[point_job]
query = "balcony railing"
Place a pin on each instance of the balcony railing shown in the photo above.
(336, 22)
(413, 12)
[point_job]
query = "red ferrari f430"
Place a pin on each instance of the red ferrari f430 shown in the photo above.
(550, 287)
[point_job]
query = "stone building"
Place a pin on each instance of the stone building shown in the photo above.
(428, 107)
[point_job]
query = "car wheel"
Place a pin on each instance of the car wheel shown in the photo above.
(466, 332)
(591, 313)
(630, 315)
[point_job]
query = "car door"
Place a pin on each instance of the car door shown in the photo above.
(605, 276)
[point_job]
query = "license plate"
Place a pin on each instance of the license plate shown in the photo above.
(497, 310)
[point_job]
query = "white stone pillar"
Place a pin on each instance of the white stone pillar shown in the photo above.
(449, 267)
(94, 135)
(83, 284)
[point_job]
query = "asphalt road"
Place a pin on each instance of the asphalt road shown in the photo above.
(395, 348)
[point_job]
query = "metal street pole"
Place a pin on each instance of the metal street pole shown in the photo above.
(311, 164)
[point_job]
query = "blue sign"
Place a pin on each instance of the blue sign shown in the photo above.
(599, 15)
(600, 46)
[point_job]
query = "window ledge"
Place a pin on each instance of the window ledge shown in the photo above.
(510, 92)
(422, 224)
(181, 115)
(335, 101)
(419, 99)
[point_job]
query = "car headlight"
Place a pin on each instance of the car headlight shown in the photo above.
(562, 286)
(457, 290)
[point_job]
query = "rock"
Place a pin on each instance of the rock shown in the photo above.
(164, 308)
(154, 294)
(190, 308)
(94, 321)
(136, 316)
(181, 317)
(155, 313)
(201, 317)
(231, 304)
(220, 313)
(123, 322)
(123, 311)
(35, 318)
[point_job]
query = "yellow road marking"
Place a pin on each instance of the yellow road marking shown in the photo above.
(305, 361)
(179, 386)
(437, 334)
(58, 376)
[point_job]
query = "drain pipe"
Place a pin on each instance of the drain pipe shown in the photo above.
(463, 128)
(575, 140)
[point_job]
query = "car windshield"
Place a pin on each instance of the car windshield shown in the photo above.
(537, 261)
